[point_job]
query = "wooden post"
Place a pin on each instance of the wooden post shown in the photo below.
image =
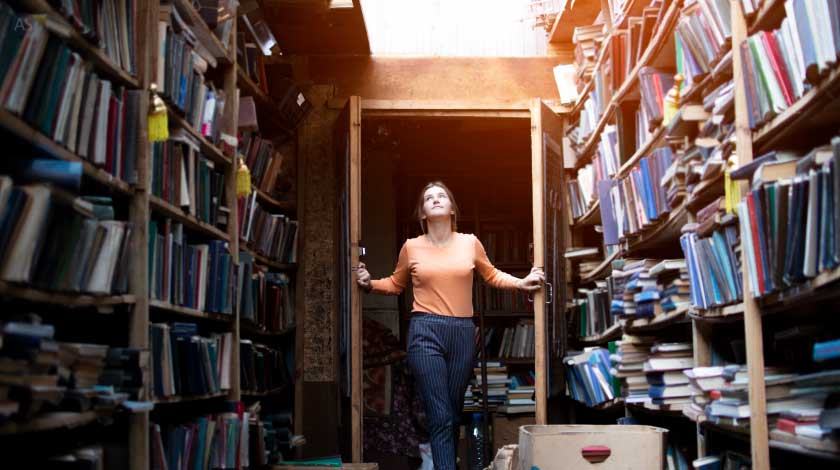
(752, 315)
(537, 207)
(355, 117)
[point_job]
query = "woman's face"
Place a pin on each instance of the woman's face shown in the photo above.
(436, 203)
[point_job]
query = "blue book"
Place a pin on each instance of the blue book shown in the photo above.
(827, 350)
(608, 222)
(198, 459)
(806, 36)
(721, 251)
(63, 174)
(647, 183)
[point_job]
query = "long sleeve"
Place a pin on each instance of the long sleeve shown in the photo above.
(395, 283)
(488, 272)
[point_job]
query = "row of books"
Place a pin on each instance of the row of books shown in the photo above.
(587, 41)
(713, 262)
(219, 16)
(272, 235)
(633, 203)
(180, 75)
(199, 276)
(781, 65)
(580, 193)
(111, 26)
(588, 377)
(213, 441)
(58, 241)
(702, 34)
(516, 342)
(593, 310)
(42, 375)
(52, 88)
(789, 218)
(497, 301)
(262, 368)
(264, 161)
(266, 299)
(506, 245)
(185, 363)
(183, 177)
(654, 85)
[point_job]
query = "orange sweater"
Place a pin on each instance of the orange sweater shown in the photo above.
(442, 276)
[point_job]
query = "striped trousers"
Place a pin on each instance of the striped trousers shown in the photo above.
(441, 351)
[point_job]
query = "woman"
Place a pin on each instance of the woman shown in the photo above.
(441, 336)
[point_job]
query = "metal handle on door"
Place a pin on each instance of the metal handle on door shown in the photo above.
(362, 251)
(549, 297)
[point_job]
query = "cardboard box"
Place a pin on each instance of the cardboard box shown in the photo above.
(587, 447)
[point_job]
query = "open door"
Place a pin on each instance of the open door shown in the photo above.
(348, 145)
(550, 226)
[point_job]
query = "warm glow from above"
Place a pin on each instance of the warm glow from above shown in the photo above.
(488, 28)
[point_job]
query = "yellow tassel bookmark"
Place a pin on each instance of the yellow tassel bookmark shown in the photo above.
(158, 118)
(671, 105)
(243, 179)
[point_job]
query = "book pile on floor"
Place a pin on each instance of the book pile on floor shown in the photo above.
(628, 365)
(669, 388)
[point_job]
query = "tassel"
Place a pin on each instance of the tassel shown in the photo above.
(243, 179)
(158, 118)
(732, 192)
(672, 101)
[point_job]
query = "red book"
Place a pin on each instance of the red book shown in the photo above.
(111, 134)
(657, 85)
(756, 243)
(778, 65)
(786, 425)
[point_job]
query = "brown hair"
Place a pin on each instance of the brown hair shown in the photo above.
(419, 211)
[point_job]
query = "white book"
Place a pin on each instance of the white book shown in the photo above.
(747, 246)
(564, 77)
(102, 276)
(204, 252)
(26, 234)
(790, 50)
(89, 112)
(777, 97)
(225, 362)
(100, 145)
(67, 97)
(75, 117)
(161, 66)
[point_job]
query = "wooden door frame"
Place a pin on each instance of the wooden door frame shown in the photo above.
(452, 109)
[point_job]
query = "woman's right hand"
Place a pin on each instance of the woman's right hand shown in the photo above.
(363, 278)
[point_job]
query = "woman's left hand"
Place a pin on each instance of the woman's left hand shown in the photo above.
(532, 282)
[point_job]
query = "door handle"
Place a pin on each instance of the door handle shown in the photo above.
(362, 251)
(549, 295)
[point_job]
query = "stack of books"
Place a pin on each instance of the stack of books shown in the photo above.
(628, 365)
(520, 394)
(587, 40)
(497, 386)
(184, 363)
(517, 342)
(706, 382)
(126, 370)
(628, 278)
(669, 388)
(588, 377)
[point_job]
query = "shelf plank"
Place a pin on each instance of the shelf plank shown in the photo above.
(512, 360)
(609, 334)
(51, 421)
(208, 149)
(13, 291)
(592, 216)
(610, 405)
(205, 36)
(661, 321)
(603, 270)
(655, 139)
(287, 206)
(250, 394)
(189, 312)
(664, 230)
(250, 88)
(24, 131)
(577, 13)
(265, 260)
(816, 108)
(92, 53)
(174, 399)
(793, 296)
(191, 221)
(724, 313)
(251, 329)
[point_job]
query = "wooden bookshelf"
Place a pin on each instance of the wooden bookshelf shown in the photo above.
(811, 289)
(661, 232)
(724, 313)
(91, 53)
(798, 449)
(603, 270)
(657, 43)
(654, 140)
(205, 35)
(189, 312)
(816, 109)
(249, 88)
(512, 360)
(265, 260)
(643, 325)
(208, 149)
(250, 329)
(30, 294)
(268, 393)
(190, 221)
(50, 422)
(27, 133)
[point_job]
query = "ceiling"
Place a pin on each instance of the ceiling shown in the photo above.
(308, 27)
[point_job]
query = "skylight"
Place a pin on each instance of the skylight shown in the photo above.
(477, 28)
